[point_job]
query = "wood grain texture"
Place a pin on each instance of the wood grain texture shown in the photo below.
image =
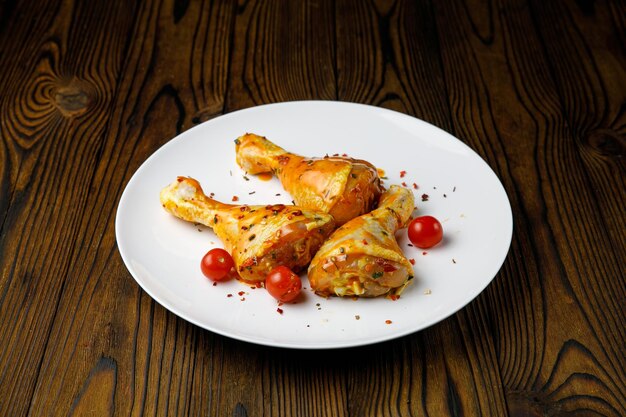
(282, 51)
(88, 90)
(105, 325)
(55, 106)
(522, 105)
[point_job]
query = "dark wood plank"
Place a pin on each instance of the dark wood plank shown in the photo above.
(557, 351)
(282, 51)
(55, 102)
(388, 55)
(112, 348)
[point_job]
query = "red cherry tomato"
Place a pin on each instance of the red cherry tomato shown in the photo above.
(283, 284)
(425, 232)
(216, 264)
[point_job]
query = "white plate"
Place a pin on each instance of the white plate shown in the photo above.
(163, 253)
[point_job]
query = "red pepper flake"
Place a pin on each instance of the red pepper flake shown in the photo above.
(279, 310)
(412, 261)
(283, 159)
(415, 187)
(215, 283)
(424, 197)
(335, 154)
(365, 242)
(235, 198)
(243, 299)
(240, 293)
(424, 253)
(402, 174)
(403, 184)
(394, 297)
(229, 295)
(388, 322)
(345, 155)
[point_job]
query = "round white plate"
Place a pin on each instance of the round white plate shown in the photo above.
(163, 253)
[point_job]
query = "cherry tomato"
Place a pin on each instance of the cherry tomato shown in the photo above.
(425, 232)
(216, 264)
(283, 284)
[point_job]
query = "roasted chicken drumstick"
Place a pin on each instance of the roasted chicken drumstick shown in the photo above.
(259, 238)
(343, 187)
(362, 257)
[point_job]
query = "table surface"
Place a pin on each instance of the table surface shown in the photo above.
(88, 90)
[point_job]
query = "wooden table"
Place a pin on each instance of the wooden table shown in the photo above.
(89, 89)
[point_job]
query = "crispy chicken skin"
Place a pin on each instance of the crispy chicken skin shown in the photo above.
(362, 258)
(258, 237)
(343, 187)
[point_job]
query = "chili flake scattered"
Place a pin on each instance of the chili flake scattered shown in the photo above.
(412, 261)
(402, 174)
(240, 293)
(424, 197)
(364, 242)
(229, 295)
(388, 322)
(403, 184)
(394, 297)
(424, 253)
(235, 198)
(215, 284)
(415, 186)
(279, 310)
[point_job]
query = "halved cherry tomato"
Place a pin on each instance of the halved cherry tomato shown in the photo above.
(216, 264)
(283, 284)
(425, 232)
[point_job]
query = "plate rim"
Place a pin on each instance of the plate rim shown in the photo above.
(476, 291)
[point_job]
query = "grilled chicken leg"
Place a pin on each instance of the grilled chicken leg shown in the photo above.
(362, 258)
(258, 237)
(343, 187)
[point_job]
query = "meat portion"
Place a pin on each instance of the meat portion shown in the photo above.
(259, 238)
(362, 257)
(342, 187)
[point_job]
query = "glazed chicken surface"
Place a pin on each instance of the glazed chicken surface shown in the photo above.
(362, 258)
(341, 186)
(259, 238)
